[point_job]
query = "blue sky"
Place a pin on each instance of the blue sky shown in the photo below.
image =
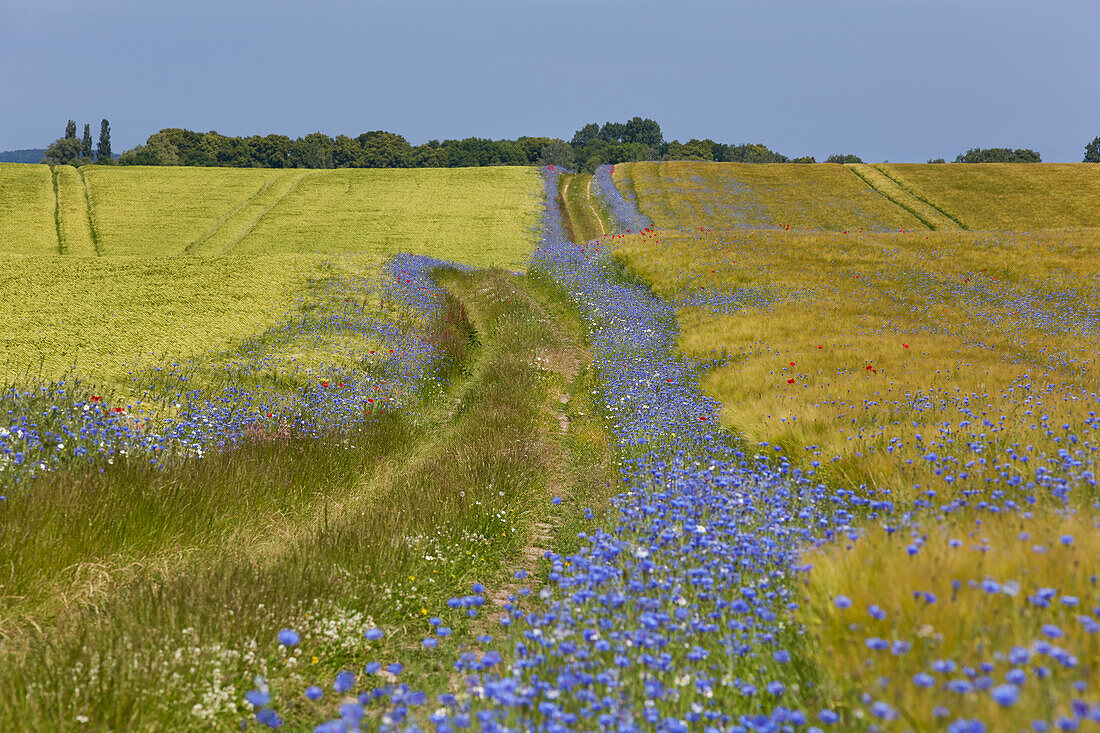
(899, 80)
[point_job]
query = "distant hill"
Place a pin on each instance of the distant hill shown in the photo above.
(31, 155)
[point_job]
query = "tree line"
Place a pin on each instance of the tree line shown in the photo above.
(69, 150)
(593, 145)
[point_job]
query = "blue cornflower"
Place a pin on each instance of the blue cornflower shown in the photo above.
(1005, 695)
(289, 637)
(923, 679)
(313, 692)
(373, 634)
(269, 717)
(842, 602)
(258, 698)
(344, 681)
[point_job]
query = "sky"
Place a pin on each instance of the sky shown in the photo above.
(897, 80)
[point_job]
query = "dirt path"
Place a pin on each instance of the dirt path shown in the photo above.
(595, 211)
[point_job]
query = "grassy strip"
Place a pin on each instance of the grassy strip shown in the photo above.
(91, 214)
(581, 218)
(176, 650)
(74, 225)
(57, 210)
(909, 190)
(892, 200)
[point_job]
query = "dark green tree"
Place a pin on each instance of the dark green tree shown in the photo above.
(752, 153)
(103, 149)
(429, 155)
(612, 132)
(381, 149)
(1092, 151)
(558, 153)
(839, 158)
(935, 160)
(647, 132)
(63, 151)
(70, 130)
(999, 155)
(585, 135)
(86, 143)
(532, 147)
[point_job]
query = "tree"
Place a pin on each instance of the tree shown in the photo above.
(612, 132)
(585, 135)
(558, 153)
(381, 149)
(70, 130)
(103, 150)
(999, 155)
(1092, 151)
(86, 143)
(751, 153)
(647, 132)
(838, 158)
(804, 159)
(63, 151)
(936, 160)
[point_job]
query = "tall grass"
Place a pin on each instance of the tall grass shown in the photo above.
(157, 211)
(1008, 196)
(479, 216)
(902, 345)
(27, 207)
(580, 211)
(321, 536)
(946, 384)
(720, 195)
(108, 317)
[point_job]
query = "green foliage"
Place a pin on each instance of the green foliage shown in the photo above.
(585, 135)
(936, 160)
(646, 132)
(375, 149)
(86, 142)
(691, 150)
(751, 153)
(103, 149)
(803, 159)
(558, 153)
(1092, 151)
(999, 155)
(70, 130)
(64, 151)
(840, 158)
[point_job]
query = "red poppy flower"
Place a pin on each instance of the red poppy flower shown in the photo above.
(790, 381)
